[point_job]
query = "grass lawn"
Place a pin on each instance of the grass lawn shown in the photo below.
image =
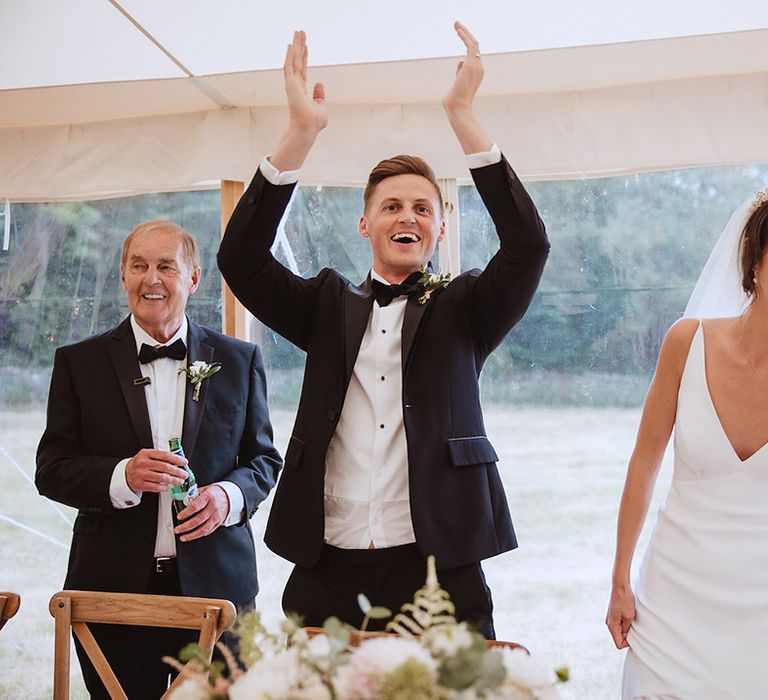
(563, 470)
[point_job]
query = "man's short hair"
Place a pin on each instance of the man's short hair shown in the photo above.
(189, 247)
(400, 165)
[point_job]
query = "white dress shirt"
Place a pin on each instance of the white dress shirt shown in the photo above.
(165, 396)
(367, 500)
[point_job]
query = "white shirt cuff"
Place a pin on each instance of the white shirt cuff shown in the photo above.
(480, 160)
(236, 503)
(119, 492)
(273, 175)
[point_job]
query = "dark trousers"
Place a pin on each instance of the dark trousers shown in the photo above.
(389, 578)
(135, 653)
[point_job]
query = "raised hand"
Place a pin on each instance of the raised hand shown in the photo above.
(458, 100)
(469, 72)
(307, 113)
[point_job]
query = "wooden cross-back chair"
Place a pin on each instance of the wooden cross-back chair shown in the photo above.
(9, 605)
(75, 609)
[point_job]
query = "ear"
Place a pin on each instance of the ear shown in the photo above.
(195, 280)
(441, 232)
(362, 227)
(122, 277)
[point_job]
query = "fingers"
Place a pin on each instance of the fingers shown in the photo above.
(154, 471)
(318, 93)
(203, 515)
(618, 630)
(472, 44)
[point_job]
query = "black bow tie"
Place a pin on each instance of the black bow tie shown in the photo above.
(176, 351)
(385, 293)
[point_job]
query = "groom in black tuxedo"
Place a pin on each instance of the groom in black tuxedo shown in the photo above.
(115, 400)
(388, 462)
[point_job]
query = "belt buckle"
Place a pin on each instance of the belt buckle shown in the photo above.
(160, 564)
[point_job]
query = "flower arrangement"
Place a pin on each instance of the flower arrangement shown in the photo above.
(446, 661)
(431, 282)
(197, 372)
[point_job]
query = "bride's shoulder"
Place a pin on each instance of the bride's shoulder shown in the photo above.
(682, 331)
(677, 342)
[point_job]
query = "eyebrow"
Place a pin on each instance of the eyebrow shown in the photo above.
(140, 258)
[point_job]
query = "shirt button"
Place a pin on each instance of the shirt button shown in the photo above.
(331, 415)
(251, 200)
(382, 425)
(382, 379)
(383, 331)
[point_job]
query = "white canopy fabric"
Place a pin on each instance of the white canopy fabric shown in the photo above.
(99, 98)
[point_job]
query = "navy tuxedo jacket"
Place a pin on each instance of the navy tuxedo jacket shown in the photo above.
(458, 505)
(97, 417)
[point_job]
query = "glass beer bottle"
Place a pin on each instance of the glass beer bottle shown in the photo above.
(187, 491)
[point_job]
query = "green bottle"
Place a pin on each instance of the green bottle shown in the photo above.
(186, 492)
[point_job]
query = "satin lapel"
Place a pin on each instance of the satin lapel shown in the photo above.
(357, 309)
(197, 349)
(122, 348)
(414, 312)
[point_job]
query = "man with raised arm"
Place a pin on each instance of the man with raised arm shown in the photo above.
(388, 461)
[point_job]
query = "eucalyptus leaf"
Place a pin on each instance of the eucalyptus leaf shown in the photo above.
(379, 613)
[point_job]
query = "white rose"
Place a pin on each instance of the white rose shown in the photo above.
(523, 671)
(269, 678)
(197, 366)
(191, 689)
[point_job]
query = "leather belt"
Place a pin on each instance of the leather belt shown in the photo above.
(165, 565)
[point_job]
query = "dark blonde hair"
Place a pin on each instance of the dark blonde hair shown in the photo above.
(753, 244)
(400, 165)
(189, 247)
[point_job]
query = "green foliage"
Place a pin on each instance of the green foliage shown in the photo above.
(409, 681)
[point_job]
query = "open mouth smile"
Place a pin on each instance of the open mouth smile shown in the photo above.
(405, 238)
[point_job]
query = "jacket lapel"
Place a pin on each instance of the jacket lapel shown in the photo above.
(357, 309)
(122, 348)
(197, 350)
(414, 312)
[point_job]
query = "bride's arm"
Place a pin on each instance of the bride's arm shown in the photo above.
(656, 424)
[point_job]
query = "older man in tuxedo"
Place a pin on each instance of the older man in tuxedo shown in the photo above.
(115, 401)
(388, 462)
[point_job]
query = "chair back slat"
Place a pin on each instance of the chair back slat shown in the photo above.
(99, 661)
(179, 612)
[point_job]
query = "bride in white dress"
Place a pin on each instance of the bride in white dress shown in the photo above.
(697, 622)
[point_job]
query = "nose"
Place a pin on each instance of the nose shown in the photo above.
(152, 276)
(407, 217)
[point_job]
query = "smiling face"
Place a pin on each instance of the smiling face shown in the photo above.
(404, 223)
(158, 277)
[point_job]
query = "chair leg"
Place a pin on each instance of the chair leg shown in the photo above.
(62, 613)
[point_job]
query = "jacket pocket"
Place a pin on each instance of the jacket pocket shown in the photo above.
(86, 525)
(471, 450)
(294, 451)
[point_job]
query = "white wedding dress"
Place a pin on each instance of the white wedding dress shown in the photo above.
(701, 631)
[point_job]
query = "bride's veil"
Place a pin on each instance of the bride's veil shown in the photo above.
(718, 291)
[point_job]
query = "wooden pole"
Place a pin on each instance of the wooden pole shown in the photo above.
(233, 315)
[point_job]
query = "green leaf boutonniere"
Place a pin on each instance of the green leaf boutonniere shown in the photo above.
(431, 282)
(198, 372)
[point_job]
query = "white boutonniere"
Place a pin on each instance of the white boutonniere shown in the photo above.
(431, 282)
(198, 372)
